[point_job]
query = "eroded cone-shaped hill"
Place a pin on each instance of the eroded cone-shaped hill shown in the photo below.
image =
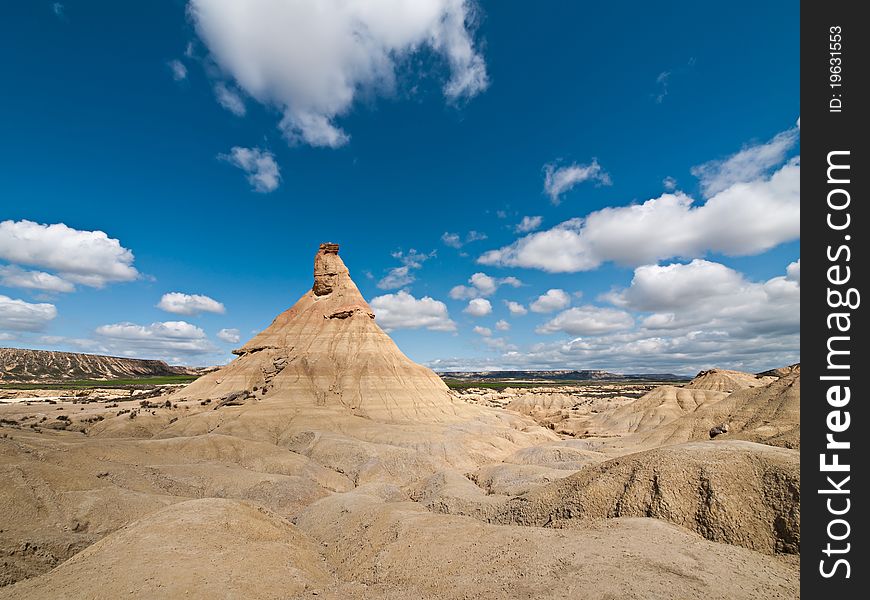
(726, 380)
(328, 351)
(660, 406)
(768, 414)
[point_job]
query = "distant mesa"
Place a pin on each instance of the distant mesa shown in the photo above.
(18, 365)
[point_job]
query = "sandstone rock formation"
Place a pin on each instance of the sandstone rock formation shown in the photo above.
(328, 351)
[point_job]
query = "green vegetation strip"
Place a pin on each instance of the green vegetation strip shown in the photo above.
(100, 383)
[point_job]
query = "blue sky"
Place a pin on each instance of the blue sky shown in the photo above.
(385, 128)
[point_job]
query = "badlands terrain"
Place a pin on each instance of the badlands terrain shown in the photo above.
(324, 463)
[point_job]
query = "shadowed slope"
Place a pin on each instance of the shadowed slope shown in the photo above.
(734, 492)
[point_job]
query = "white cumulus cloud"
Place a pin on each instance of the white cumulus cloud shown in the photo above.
(189, 304)
(311, 58)
(588, 320)
(160, 338)
(482, 285)
(89, 258)
(502, 325)
(710, 296)
(16, 277)
(515, 308)
(747, 218)
(479, 307)
(259, 165)
(24, 316)
(403, 311)
(551, 301)
(482, 331)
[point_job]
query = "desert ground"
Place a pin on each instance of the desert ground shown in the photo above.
(322, 462)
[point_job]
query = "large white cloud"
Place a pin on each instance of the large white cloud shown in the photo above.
(24, 316)
(403, 311)
(160, 338)
(90, 258)
(311, 58)
(747, 211)
(262, 171)
(14, 276)
(678, 286)
(710, 296)
(747, 218)
(189, 304)
(481, 286)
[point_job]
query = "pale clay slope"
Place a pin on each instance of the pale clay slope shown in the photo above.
(768, 414)
(211, 548)
(365, 545)
(724, 380)
(320, 435)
